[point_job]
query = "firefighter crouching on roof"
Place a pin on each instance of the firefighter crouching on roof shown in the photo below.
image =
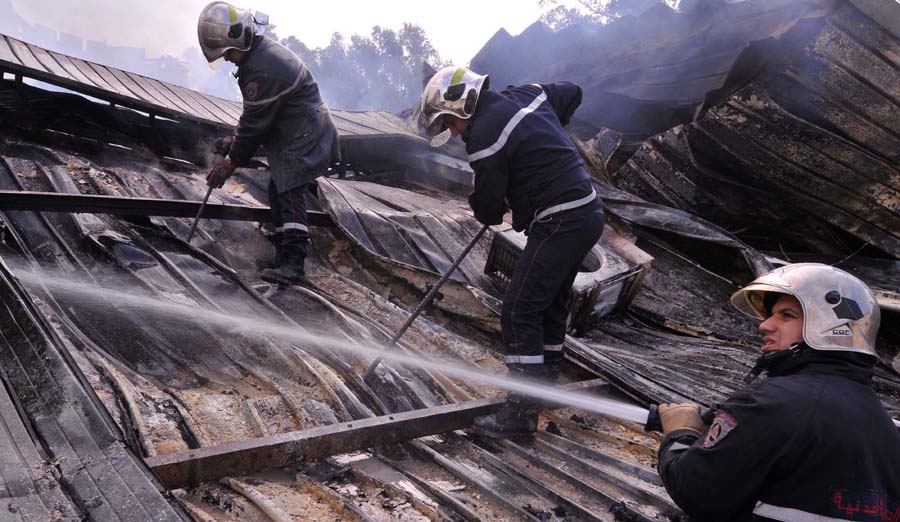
(284, 111)
(811, 442)
(523, 161)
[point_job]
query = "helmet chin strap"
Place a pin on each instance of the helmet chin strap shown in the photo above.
(769, 360)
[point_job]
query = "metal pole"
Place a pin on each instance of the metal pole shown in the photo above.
(199, 213)
(427, 300)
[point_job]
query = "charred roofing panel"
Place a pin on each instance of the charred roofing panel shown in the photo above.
(30, 489)
(816, 140)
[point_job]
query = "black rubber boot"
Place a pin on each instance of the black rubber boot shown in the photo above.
(518, 417)
(289, 272)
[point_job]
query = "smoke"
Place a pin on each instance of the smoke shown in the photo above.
(154, 39)
(162, 27)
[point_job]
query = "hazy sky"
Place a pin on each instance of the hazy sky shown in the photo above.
(458, 29)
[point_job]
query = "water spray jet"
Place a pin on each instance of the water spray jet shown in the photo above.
(81, 291)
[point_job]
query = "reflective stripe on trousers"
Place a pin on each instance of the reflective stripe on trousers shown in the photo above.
(524, 359)
(292, 226)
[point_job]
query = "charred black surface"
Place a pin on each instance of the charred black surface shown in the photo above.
(794, 159)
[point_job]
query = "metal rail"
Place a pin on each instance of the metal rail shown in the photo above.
(192, 467)
(93, 204)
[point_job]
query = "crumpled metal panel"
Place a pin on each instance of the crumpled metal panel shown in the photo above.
(814, 146)
(417, 237)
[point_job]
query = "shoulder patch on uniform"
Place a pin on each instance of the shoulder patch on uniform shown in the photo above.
(723, 423)
(251, 91)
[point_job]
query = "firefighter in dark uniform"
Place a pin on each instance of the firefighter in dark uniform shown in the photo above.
(284, 111)
(809, 443)
(524, 161)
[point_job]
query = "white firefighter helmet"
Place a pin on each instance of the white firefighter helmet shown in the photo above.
(222, 26)
(452, 90)
(840, 312)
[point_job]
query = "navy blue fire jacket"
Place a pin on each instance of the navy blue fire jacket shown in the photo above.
(810, 443)
(284, 111)
(522, 157)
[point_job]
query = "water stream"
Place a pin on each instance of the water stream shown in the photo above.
(74, 292)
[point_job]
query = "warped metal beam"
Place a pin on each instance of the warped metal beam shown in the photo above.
(92, 204)
(189, 468)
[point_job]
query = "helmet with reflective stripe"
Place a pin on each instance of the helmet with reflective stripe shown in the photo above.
(222, 26)
(840, 312)
(452, 90)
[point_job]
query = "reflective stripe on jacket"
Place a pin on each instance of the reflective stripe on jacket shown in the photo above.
(522, 157)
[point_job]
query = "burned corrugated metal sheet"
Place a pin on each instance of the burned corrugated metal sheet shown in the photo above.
(174, 385)
(416, 238)
(811, 147)
(30, 486)
(100, 474)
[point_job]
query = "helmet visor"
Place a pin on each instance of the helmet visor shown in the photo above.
(755, 299)
(437, 125)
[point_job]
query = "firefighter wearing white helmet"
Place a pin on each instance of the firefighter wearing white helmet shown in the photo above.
(524, 161)
(811, 441)
(222, 27)
(284, 112)
(451, 91)
(840, 311)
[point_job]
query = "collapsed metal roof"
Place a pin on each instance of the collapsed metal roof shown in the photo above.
(837, 102)
(107, 406)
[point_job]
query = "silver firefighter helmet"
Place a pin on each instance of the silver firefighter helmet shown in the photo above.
(452, 90)
(840, 312)
(222, 26)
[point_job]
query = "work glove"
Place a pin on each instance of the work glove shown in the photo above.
(220, 173)
(222, 146)
(683, 416)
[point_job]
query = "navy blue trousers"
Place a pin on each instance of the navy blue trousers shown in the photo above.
(536, 304)
(290, 220)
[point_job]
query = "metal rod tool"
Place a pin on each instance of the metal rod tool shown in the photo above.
(429, 297)
(199, 213)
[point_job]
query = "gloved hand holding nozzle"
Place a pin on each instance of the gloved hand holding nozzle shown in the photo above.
(669, 417)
